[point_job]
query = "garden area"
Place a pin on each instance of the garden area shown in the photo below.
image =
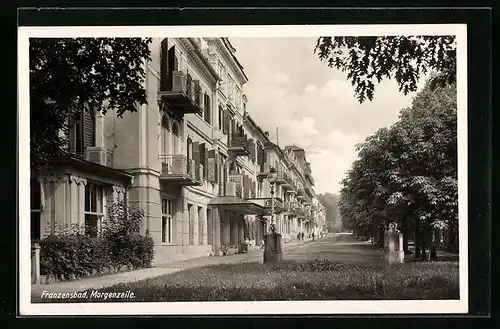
(293, 280)
(72, 252)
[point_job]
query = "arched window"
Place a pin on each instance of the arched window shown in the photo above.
(175, 138)
(165, 135)
(207, 112)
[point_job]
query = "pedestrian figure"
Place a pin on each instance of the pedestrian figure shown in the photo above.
(302, 235)
(262, 244)
(312, 235)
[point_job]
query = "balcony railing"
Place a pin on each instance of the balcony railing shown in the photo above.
(264, 170)
(281, 176)
(180, 170)
(184, 94)
(239, 145)
(98, 155)
(238, 181)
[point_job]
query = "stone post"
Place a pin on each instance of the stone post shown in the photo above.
(35, 263)
(272, 249)
(394, 252)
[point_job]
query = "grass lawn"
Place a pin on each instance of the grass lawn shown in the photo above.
(291, 280)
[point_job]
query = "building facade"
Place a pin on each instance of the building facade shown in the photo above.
(192, 158)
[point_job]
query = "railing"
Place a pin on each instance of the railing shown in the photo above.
(290, 205)
(93, 154)
(183, 83)
(180, 165)
(238, 180)
(238, 141)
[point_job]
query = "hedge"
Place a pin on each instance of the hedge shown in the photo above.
(67, 253)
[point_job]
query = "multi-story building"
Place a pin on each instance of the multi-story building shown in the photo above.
(192, 158)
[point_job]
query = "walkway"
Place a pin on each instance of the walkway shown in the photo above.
(158, 270)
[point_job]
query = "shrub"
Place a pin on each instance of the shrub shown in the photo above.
(68, 253)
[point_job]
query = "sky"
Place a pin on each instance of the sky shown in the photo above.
(313, 106)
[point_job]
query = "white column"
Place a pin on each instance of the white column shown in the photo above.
(79, 200)
(73, 211)
(205, 225)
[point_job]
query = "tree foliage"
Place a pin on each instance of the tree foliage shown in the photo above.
(71, 75)
(407, 172)
(330, 202)
(404, 58)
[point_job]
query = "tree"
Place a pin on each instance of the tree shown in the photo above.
(404, 58)
(330, 202)
(408, 172)
(72, 75)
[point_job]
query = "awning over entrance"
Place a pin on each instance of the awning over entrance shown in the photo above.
(265, 203)
(238, 205)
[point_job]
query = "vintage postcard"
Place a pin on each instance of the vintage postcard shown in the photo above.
(316, 169)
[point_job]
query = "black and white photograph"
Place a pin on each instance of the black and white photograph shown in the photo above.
(243, 169)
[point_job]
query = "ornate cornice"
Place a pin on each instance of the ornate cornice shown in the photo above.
(199, 59)
(229, 58)
(77, 180)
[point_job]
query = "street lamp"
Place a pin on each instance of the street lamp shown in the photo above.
(272, 177)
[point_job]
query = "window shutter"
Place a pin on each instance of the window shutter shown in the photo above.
(89, 129)
(211, 166)
(203, 159)
(196, 152)
(208, 113)
(171, 66)
(164, 74)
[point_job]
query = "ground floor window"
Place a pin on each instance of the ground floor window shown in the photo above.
(94, 209)
(166, 220)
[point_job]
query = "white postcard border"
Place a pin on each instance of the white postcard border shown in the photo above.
(267, 307)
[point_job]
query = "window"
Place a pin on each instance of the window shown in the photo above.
(82, 132)
(36, 198)
(207, 112)
(166, 220)
(94, 209)
(165, 135)
(221, 117)
(175, 138)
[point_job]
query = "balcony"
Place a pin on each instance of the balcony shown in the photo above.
(239, 145)
(178, 169)
(94, 154)
(291, 206)
(301, 212)
(281, 178)
(237, 180)
(264, 170)
(184, 94)
(288, 184)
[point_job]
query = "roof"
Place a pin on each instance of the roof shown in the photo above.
(232, 50)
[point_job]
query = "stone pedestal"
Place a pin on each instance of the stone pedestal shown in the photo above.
(272, 250)
(35, 263)
(394, 252)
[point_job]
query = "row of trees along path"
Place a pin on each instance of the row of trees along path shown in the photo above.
(406, 173)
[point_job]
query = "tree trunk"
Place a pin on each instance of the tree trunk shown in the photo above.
(417, 238)
(433, 255)
(405, 238)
